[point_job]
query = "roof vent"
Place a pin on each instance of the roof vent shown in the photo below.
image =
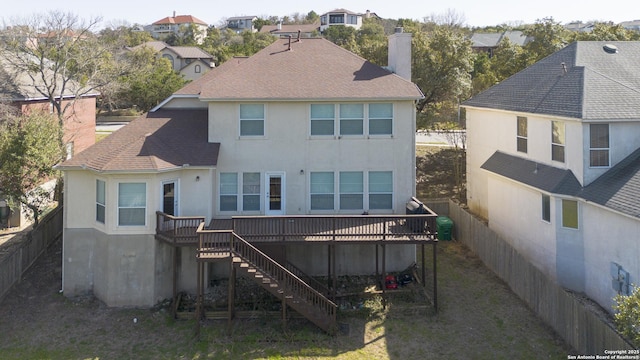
(610, 49)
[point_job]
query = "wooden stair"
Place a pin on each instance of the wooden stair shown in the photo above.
(284, 284)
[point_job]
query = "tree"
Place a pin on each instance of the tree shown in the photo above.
(344, 36)
(61, 56)
(153, 80)
(372, 42)
(442, 63)
(548, 37)
(29, 148)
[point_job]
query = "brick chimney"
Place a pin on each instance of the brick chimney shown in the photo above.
(400, 53)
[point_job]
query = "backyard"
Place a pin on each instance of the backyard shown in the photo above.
(478, 317)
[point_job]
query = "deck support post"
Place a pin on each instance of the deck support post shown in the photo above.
(384, 275)
(333, 271)
(329, 270)
(435, 277)
(284, 311)
(199, 298)
(175, 282)
(231, 296)
(377, 260)
(424, 270)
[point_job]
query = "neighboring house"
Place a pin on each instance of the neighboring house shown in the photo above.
(300, 128)
(190, 61)
(553, 164)
(19, 91)
(162, 28)
(489, 42)
(242, 23)
(340, 17)
(283, 31)
(631, 25)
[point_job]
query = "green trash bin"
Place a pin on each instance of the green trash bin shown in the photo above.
(444, 226)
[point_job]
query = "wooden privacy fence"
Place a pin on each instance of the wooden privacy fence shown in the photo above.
(14, 264)
(579, 326)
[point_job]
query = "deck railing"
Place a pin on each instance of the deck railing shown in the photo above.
(177, 230)
(335, 227)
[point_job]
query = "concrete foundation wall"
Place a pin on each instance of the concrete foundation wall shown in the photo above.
(121, 270)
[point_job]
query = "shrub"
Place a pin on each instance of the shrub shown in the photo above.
(627, 315)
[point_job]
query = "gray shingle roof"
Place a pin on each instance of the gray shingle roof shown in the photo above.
(544, 177)
(162, 140)
(314, 68)
(618, 188)
(596, 85)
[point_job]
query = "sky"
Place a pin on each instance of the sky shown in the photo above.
(476, 13)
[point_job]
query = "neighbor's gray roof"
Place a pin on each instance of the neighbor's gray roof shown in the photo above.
(493, 39)
(540, 176)
(185, 52)
(314, 68)
(618, 188)
(596, 85)
(157, 141)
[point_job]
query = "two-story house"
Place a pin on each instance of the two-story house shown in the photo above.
(164, 27)
(340, 17)
(553, 164)
(242, 23)
(301, 130)
(190, 61)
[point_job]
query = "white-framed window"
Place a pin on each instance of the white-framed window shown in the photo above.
(251, 119)
(197, 69)
(521, 135)
(546, 208)
(251, 191)
(570, 214)
(132, 204)
(380, 190)
(100, 201)
(322, 190)
(351, 190)
(323, 119)
(557, 141)
(351, 119)
(352, 19)
(228, 191)
(599, 145)
(381, 119)
(336, 19)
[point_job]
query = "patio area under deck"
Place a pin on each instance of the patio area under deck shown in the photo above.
(212, 241)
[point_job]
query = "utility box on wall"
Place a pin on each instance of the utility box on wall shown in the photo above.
(620, 279)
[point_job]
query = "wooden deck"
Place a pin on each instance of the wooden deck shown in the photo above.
(181, 231)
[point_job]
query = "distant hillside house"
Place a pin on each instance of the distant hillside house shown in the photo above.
(488, 42)
(162, 28)
(190, 61)
(242, 23)
(340, 17)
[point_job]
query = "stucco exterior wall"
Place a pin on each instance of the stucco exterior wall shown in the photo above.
(516, 215)
(608, 237)
(288, 147)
